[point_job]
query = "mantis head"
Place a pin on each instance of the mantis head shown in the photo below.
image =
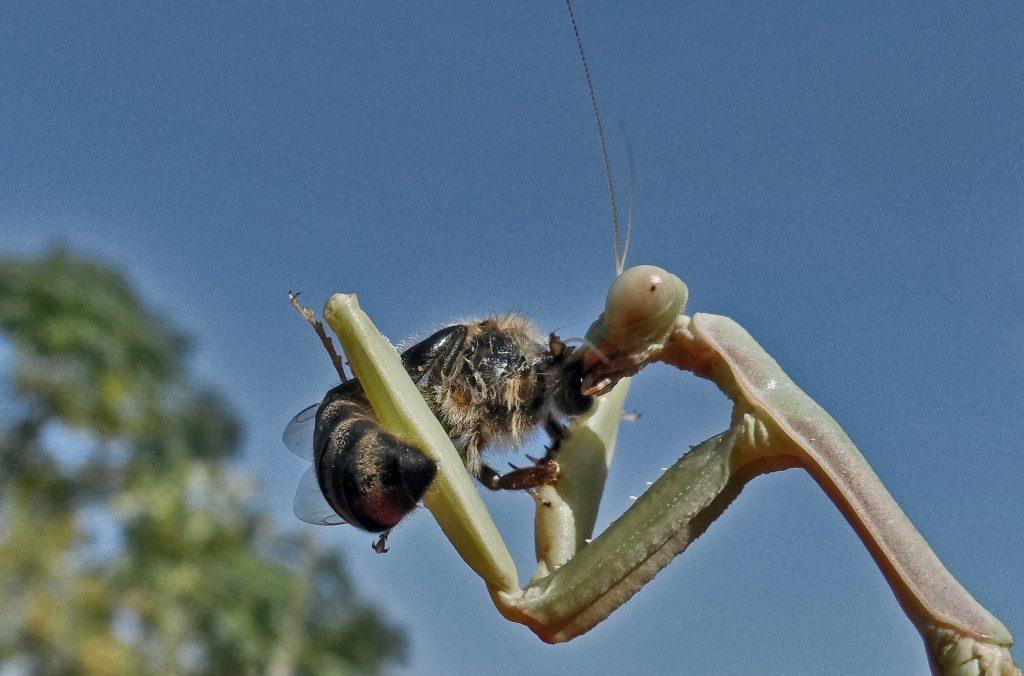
(640, 312)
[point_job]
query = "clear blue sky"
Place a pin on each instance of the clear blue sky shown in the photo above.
(846, 181)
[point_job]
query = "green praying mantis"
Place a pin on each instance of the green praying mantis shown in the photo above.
(581, 579)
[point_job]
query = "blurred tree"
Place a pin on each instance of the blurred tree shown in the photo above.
(127, 541)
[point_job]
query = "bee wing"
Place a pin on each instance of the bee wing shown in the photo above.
(310, 505)
(298, 433)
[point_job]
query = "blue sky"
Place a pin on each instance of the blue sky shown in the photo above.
(847, 182)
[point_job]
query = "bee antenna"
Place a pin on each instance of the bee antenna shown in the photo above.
(619, 257)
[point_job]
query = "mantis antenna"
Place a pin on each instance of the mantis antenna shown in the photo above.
(629, 198)
(620, 251)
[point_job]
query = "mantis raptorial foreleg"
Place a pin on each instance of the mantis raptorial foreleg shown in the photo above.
(786, 425)
(775, 425)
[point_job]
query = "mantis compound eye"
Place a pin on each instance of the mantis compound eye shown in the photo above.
(640, 311)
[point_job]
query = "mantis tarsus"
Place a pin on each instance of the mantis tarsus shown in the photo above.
(579, 581)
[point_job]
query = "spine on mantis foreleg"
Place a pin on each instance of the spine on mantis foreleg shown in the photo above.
(671, 514)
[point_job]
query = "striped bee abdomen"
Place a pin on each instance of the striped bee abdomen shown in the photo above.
(368, 476)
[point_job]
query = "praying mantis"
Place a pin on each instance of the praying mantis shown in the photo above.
(581, 579)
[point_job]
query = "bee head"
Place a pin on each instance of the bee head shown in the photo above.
(568, 382)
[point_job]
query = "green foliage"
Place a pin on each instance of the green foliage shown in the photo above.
(185, 576)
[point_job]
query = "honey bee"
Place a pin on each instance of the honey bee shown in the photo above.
(491, 384)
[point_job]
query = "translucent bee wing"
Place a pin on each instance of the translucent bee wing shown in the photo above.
(298, 433)
(310, 505)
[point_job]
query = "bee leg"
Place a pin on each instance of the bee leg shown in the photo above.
(489, 478)
(381, 545)
(526, 478)
(521, 479)
(557, 432)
